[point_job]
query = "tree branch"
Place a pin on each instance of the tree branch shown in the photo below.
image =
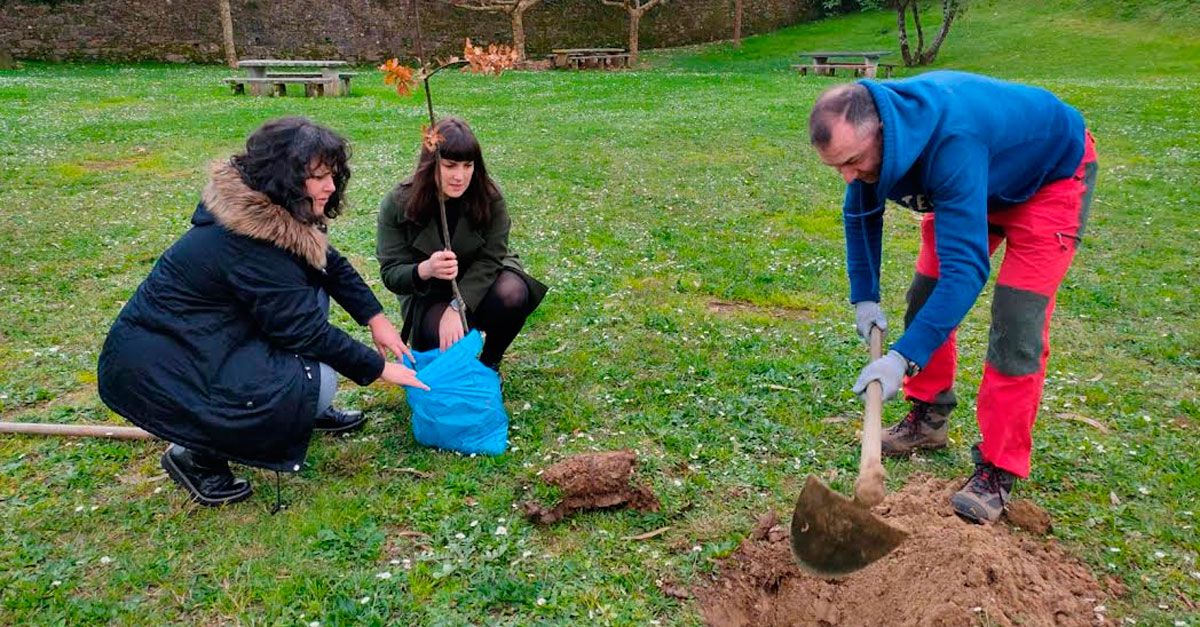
(499, 6)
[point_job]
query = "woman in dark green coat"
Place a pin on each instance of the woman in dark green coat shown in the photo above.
(497, 293)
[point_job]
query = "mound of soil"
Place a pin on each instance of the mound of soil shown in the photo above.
(948, 572)
(592, 481)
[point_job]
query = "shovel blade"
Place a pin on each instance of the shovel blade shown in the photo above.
(832, 536)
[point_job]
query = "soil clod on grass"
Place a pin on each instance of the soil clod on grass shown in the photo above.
(1026, 515)
(948, 572)
(592, 481)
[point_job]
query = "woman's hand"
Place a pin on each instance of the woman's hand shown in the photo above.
(399, 374)
(450, 329)
(384, 334)
(442, 264)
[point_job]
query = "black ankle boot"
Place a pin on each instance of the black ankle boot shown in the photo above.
(206, 478)
(335, 420)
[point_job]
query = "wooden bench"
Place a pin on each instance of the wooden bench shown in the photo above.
(598, 61)
(859, 69)
(320, 77)
(861, 62)
(580, 58)
(314, 83)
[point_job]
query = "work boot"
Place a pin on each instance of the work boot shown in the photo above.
(337, 421)
(206, 478)
(924, 427)
(983, 499)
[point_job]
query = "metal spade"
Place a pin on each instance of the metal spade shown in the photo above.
(832, 535)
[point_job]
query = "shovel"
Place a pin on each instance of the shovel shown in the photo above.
(832, 535)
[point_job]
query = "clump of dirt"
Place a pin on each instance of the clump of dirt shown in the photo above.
(1028, 516)
(948, 572)
(592, 481)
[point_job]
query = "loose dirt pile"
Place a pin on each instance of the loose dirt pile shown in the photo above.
(592, 481)
(948, 572)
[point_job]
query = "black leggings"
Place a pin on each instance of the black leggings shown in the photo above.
(500, 314)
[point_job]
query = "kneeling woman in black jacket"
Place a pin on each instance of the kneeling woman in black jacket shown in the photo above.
(226, 349)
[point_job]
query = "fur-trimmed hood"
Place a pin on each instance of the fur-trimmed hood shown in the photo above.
(251, 213)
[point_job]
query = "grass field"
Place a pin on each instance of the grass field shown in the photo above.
(641, 197)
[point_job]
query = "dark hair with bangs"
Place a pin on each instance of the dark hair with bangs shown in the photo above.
(280, 156)
(459, 144)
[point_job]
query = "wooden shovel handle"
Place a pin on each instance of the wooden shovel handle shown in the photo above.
(872, 420)
(86, 431)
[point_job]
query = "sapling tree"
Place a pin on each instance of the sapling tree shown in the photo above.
(493, 59)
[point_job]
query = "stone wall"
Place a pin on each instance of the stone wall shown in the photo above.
(354, 30)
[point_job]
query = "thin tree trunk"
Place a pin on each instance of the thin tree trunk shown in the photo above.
(916, 8)
(949, 12)
(227, 33)
(902, 32)
(738, 6)
(635, 17)
(416, 22)
(518, 30)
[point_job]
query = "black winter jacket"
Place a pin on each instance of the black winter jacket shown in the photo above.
(218, 349)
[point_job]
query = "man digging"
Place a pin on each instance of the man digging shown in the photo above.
(985, 161)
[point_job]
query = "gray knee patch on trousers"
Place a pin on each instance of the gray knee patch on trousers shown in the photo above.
(1018, 319)
(922, 286)
(1085, 209)
(329, 385)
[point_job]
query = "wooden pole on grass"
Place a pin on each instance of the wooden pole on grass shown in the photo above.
(79, 431)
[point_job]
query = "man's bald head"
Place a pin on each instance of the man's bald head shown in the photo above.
(851, 103)
(845, 129)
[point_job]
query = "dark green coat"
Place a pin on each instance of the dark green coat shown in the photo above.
(401, 244)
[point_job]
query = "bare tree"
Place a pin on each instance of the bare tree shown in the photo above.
(924, 56)
(636, 9)
(514, 9)
(738, 7)
(227, 33)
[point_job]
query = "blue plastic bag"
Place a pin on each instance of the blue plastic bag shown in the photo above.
(463, 409)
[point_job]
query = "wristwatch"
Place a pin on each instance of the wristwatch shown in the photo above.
(911, 368)
(456, 304)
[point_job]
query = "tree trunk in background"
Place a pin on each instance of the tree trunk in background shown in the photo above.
(738, 6)
(635, 18)
(902, 32)
(916, 11)
(518, 29)
(514, 9)
(227, 33)
(922, 55)
(636, 9)
(950, 10)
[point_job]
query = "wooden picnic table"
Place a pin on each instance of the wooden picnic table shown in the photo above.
(862, 62)
(319, 77)
(577, 58)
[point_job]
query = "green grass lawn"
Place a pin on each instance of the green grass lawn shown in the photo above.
(640, 197)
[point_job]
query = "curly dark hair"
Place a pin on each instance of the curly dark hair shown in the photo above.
(459, 144)
(282, 153)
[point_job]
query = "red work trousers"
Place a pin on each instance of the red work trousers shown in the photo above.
(1041, 236)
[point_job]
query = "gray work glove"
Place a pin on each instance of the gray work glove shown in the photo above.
(887, 370)
(867, 314)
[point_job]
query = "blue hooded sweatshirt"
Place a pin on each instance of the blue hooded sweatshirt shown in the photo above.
(959, 145)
